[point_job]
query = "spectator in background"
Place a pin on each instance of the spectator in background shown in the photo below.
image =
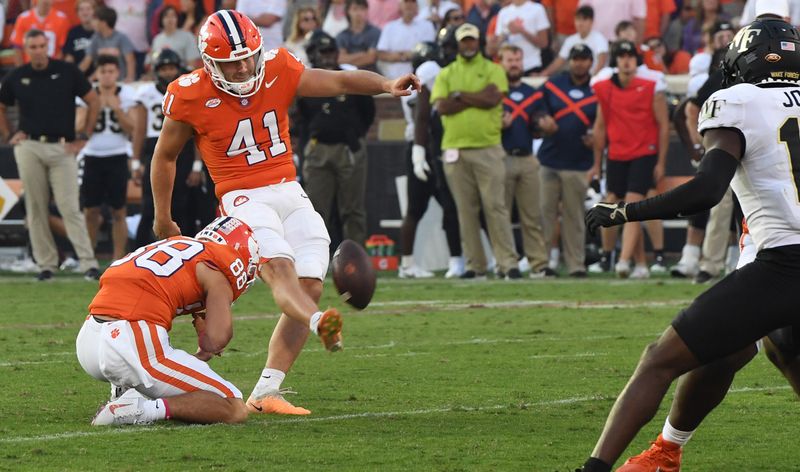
(266, 14)
(45, 146)
(359, 42)
(480, 14)
(436, 10)
(334, 17)
(658, 16)
(335, 158)
(398, 38)
(67, 7)
(108, 41)
(132, 22)
(453, 17)
(656, 57)
(633, 120)
(710, 12)
(193, 15)
(522, 167)
(608, 14)
(754, 8)
(305, 21)
(524, 24)
(586, 35)
(381, 12)
(469, 91)
(79, 37)
(673, 37)
(175, 39)
(561, 14)
(566, 154)
(105, 156)
(45, 18)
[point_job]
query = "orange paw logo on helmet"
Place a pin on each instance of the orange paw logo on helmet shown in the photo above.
(114, 333)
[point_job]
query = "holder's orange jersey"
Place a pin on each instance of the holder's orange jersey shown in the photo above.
(244, 141)
(158, 282)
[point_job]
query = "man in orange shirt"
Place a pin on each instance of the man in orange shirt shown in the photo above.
(236, 107)
(54, 23)
(125, 339)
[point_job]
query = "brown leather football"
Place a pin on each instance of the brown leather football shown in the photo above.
(353, 274)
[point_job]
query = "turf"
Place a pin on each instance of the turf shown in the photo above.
(435, 375)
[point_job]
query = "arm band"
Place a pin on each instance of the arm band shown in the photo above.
(704, 191)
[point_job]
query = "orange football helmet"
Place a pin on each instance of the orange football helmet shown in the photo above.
(238, 235)
(229, 36)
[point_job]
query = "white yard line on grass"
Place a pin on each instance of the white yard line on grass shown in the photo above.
(333, 418)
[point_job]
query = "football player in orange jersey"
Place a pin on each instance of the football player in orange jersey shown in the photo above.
(125, 339)
(236, 106)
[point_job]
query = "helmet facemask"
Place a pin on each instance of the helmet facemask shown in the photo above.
(237, 89)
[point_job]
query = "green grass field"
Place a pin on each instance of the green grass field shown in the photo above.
(435, 376)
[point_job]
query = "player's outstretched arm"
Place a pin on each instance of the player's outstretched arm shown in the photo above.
(173, 137)
(704, 191)
(330, 83)
(218, 321)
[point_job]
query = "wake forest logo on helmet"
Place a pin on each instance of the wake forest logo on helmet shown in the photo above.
(744, 37)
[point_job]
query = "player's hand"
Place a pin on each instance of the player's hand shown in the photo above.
(204, 356)
(137, 175)
(421, 167)
(199, 322)
(74, 147)
(658, 173)
(593, 173)
(165, 229)
(400, 86)
(17, 138)
(605, 215)
(194, 179)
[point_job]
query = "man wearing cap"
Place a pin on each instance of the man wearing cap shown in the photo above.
(522, 168)
(565, 116)
(468, 95)
(633, 120)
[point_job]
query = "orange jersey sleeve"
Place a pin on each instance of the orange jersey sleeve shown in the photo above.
(244, 141)
(158, 282)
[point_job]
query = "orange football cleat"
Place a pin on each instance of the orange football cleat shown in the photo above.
(329, 330)
(663, 456)
(275, 404)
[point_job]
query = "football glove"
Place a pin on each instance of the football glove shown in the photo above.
(421, 167)
(605, 215)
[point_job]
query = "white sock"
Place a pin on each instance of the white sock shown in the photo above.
(154, 410)
(669, 433)
(406, 261)
(314, 323)
(271, 379)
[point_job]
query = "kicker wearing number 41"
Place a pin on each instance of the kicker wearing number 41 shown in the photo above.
(244, 142)
(752, 134)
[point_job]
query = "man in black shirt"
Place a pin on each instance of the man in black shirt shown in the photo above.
(45, 146)
(335, 164)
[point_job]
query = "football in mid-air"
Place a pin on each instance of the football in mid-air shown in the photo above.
(353, 274)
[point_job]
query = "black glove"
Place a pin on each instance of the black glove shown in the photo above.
(605, 214)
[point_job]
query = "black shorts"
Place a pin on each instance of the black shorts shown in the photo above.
(105, 181)
(634, 176)
(744, 306)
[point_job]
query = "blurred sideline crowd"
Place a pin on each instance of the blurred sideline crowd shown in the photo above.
(501, 156)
